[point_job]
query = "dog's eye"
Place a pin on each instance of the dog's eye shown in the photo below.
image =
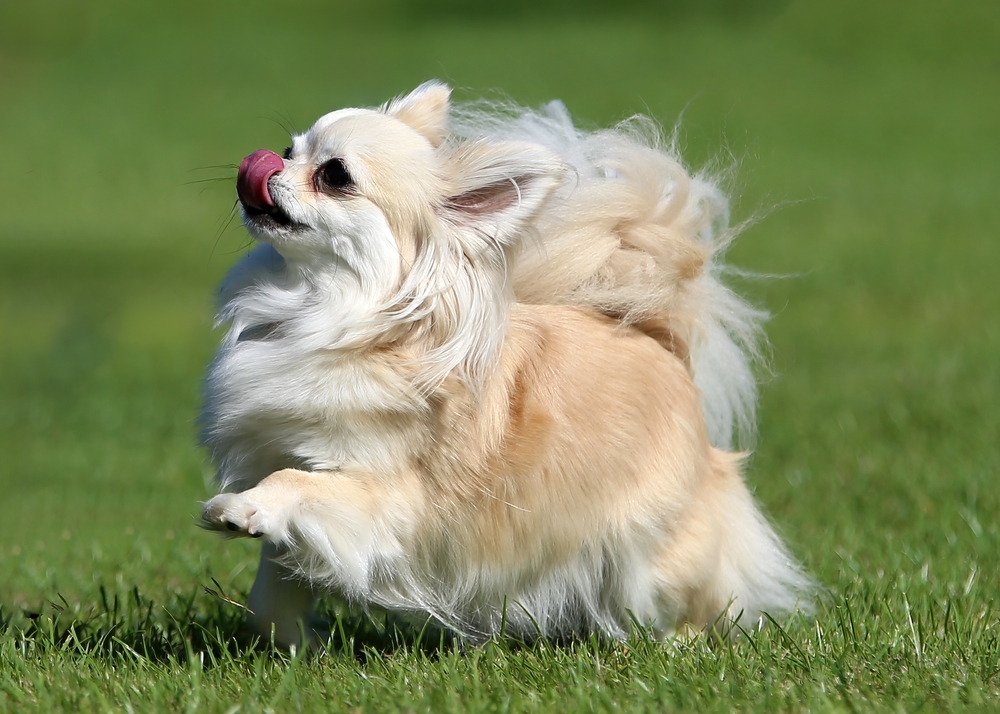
(333, 176)
(287, 153)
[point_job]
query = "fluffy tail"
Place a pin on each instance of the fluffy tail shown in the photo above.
(756, 574)
(633, 234)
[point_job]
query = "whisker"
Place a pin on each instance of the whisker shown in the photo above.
(208, 180)
(227, 221)
(234, 167)
(289, 125)
(284, 122)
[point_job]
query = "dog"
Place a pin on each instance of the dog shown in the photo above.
(482, 369)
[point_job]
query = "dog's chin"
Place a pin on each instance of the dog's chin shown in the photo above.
(271, 225)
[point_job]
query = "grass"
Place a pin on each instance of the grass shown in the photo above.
(871, 128)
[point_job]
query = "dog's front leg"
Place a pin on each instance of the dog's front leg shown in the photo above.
(340, 531)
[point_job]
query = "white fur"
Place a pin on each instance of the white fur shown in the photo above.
(348, 333)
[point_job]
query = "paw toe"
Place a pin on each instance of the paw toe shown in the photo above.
(230, 512)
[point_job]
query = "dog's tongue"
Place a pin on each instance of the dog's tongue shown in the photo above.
(251, 184)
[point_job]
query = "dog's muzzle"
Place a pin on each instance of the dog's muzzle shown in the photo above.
(251, 183)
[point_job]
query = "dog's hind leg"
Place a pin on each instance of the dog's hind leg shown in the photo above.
(281, 605)
(724, 563)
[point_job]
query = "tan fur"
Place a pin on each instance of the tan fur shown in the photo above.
(520, 477)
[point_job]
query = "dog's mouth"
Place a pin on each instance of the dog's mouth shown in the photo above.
(254, 191)
(270, 219)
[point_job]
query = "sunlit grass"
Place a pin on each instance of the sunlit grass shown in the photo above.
(871, 130)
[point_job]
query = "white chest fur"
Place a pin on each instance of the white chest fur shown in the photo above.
(288, 387)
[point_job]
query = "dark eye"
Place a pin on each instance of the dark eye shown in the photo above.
(287, 153)
(333, 176)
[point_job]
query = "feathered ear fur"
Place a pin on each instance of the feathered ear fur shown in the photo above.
(425, 110)
(460, 273)
(498, 187)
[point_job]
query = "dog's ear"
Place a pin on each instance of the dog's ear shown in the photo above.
(499, 186)
(424, 110)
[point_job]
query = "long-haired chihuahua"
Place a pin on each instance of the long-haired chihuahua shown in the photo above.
(482, 368)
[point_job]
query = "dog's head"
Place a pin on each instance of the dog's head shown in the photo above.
(372, 188)
(419, 223)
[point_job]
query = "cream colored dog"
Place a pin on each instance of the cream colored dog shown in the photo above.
(483, 369)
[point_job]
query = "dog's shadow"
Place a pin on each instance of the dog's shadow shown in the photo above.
(207, 626)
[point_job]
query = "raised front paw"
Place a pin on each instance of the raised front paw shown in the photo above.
(236, 514)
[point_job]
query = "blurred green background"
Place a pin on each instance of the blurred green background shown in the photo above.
(866, 135)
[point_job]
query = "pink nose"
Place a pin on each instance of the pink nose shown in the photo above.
(251, 183)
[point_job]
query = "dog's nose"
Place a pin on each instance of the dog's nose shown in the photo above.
(251, 183)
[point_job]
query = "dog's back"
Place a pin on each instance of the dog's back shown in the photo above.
(634, 235)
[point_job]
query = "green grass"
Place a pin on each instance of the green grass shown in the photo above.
(872, 128)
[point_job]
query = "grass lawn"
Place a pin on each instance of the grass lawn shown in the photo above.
(866, 134)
